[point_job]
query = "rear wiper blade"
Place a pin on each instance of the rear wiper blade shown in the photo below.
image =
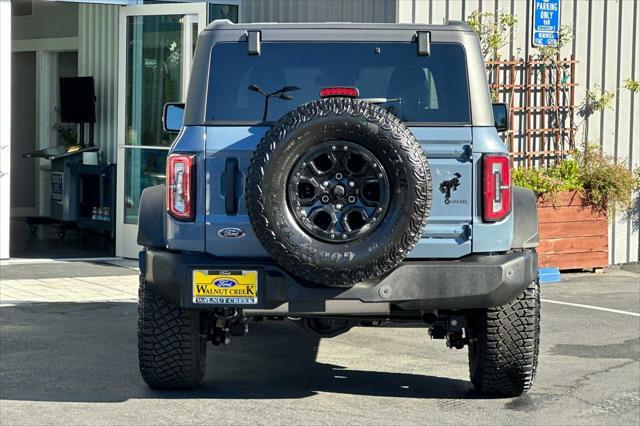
(279, 94)
(380, 100)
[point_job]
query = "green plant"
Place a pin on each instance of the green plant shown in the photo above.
(631, 85)
(550, 52)
(596, 100)
(548, 182)
(494, 31)
(605, 184)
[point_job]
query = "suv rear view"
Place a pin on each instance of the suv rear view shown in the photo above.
(345, 175)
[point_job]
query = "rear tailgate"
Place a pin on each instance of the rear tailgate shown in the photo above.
(448, 233)
(229, 232)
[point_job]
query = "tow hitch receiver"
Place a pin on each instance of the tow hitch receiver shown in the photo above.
(450, 328)
(224, 323)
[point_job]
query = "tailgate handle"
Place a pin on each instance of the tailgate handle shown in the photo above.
(230, 188)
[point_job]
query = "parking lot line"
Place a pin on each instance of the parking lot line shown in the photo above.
(595, 308)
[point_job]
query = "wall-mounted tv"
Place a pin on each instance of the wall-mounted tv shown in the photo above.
(77, 100)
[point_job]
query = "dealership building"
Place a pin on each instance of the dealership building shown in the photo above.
(139, 56)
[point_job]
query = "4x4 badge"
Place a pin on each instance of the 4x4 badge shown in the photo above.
(450, 185)
(231, 233)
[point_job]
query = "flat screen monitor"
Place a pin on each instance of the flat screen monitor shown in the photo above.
(77, 100)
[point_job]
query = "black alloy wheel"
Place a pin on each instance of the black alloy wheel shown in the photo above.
(338, 191)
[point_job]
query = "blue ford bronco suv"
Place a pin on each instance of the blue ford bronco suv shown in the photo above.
(339, 175)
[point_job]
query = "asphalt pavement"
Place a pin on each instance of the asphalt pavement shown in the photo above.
(76, 363)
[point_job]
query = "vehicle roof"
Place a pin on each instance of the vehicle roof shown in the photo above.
(225, 24)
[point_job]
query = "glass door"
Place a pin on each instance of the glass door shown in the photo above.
(156, 50)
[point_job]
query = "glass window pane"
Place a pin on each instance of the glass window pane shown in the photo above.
(154, 76)
(223, 11)
(143, 168)
(422, 89)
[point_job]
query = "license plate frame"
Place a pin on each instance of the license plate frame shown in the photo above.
(224, 287)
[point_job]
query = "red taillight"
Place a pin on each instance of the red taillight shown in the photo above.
(348, 92)
(496, 187)
(180, 186)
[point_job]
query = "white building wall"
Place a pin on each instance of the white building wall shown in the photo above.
(318, 11)
(98, 57)
(606, 43)
(48, 20)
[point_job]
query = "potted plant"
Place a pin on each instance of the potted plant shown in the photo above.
(575, 199)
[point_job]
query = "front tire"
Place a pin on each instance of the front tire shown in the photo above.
(504, 344)
(171, 346)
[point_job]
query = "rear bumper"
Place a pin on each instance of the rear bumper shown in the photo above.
(477, 281)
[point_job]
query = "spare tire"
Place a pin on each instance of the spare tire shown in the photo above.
(338, 191)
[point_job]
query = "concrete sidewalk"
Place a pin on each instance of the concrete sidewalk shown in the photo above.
(67, 281)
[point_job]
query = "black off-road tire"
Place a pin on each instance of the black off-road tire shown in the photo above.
(171, 347)
(336, 263)
(504, 344)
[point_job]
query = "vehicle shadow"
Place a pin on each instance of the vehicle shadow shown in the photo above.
(86, 352)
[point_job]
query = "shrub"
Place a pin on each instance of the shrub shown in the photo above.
(605, 184)
(549, 182)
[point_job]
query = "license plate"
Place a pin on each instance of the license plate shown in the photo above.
(225, 287)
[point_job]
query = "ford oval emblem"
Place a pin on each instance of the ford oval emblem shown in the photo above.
(225, 282)
(231, 233)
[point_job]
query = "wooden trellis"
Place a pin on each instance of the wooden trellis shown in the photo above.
(541, 99)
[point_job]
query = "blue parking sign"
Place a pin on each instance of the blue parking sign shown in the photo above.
(546, 22)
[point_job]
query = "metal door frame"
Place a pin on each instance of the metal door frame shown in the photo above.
(126, 245)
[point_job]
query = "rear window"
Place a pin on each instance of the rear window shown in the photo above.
(418, 89)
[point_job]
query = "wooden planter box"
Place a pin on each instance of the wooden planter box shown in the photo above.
(572, 235)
